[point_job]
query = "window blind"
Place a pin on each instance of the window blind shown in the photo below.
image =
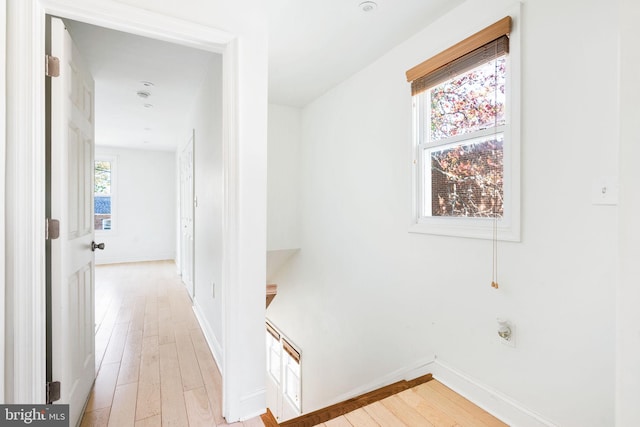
(483, 46)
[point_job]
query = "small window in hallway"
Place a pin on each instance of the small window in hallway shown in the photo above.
(103, 194)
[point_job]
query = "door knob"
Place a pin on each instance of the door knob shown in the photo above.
(95, 246)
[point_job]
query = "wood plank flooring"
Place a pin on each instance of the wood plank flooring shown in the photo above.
(426, 405)
(154, 366)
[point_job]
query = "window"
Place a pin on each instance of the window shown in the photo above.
(465, 148)
(103, 202)
(283, 367)
(274, 351)
(291, 373)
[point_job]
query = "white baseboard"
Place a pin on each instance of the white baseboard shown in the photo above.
(254, 404)
(251, 405)
(492, 401)
(421, 367)
(214, 344)
(102, 259)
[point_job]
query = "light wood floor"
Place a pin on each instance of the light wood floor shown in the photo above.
(154, 366)
(429, 404)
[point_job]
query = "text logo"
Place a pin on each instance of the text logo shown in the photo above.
(34, 415)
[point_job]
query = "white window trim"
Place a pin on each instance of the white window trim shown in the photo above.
(114, 191)
(282, 381)
(285, 383)
(508, 227)
(269, 359)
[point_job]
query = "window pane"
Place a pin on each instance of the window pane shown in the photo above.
(467, 179)
(292, 380)
(273, 357)
(102, 195)
(469, 102)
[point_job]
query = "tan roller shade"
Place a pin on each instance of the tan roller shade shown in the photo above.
(472, 51)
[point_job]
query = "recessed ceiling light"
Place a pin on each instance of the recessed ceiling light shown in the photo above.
(148, 105)
(143, 94)
(146, 83)
(368, 6)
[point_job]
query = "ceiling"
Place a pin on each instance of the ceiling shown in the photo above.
(124, 64)
(313, 46)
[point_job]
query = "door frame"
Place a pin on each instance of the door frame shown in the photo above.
(183, 261)
(24, 366)
(3, 113)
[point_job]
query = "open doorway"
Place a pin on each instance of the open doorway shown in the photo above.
(149, 96)
(238, 330)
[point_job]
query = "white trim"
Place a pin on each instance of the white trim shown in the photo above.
(115, 259)
(133, 20)
(252, 404)
(210, 337)
(25, 249)
(230, 291)
(25, 174)
(499, 405)
(496, 403)
(3, 56)
(417, 369)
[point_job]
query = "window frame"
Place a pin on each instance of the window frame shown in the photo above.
(113, 160)
(507, 227)
(288, 353)
(273, 340)
(288, 360)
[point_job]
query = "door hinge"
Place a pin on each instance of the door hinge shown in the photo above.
(52, 229)
(51, 66)
(53, 391)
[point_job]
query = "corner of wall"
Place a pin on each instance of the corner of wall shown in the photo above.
(492, 401)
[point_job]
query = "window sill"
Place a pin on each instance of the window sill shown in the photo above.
(467, 228)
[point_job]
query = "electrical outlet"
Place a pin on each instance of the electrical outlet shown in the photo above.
(506, 332)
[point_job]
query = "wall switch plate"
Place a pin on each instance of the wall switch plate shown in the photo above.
(604, 190)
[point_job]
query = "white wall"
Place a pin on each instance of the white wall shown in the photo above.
(283, 187)
(283, 190)
(208, 220)
(144, 202)
(628, 328)
(365, 300)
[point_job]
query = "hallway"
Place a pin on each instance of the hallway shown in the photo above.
(153, 363)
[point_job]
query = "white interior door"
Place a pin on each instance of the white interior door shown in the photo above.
(72, 257)
(187, 203)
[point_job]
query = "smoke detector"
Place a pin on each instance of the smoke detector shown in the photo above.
(368, 6)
